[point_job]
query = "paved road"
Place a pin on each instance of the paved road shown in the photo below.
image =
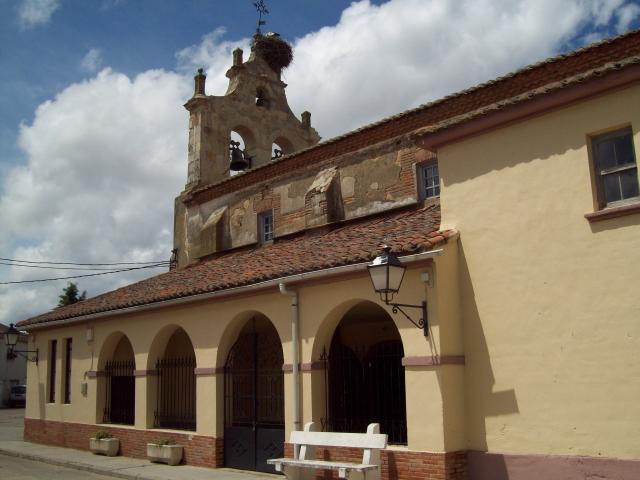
(11, 424)
(12, 468)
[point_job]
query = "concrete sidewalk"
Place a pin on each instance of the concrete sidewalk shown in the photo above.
(11, 443)
(121, 467)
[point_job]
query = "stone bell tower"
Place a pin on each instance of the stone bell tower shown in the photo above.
(254, 106)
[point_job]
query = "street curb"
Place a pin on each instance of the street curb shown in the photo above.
(76, 466)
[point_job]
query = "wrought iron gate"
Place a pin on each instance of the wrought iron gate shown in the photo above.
(120, 392)
(254, 401)
(176, 393)
(364, 385)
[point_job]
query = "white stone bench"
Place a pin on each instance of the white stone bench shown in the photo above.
(303, 466)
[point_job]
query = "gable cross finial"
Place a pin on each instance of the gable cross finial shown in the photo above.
(261, 8)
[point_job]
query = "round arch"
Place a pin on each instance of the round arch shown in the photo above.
(160, 342)
(324, 334)
(115, 400)
(232, 331)
(361, 349)
(109, 346)
(173, 360)
(253, 392)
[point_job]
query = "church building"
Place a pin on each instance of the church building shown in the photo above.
(508, 351)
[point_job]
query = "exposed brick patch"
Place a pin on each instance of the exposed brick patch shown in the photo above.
(199, 450)
(399, 465)
(410, 230)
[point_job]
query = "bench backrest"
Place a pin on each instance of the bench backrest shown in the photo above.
(338, 439)
(304, 442)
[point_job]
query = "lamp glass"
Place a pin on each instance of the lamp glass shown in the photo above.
(11, 336)
(386, 272)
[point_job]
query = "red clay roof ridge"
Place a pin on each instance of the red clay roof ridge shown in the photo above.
(421, 107)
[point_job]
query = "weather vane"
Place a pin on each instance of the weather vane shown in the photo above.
(261, 8)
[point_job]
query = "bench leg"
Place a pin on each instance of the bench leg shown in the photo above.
(297, 473)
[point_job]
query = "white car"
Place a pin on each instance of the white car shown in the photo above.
(18, 396)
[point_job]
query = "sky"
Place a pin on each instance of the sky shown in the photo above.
(93, 133)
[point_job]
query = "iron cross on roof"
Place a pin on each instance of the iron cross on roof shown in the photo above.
(261, 8)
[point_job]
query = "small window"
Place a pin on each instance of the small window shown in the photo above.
(67, 370)
(428, 180)
(53, 355)
(265, 225)
(615, 168)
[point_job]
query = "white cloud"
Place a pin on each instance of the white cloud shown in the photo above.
(105, 161)
(107, 156)
(92, 61)
(213, 54)
(627, 14)
(32, 13)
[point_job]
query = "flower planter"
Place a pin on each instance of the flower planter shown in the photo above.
(169, 454)
(104, 446)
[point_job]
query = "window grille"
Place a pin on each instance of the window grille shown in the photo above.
(120, 391)
(67, 370)
(53, 346)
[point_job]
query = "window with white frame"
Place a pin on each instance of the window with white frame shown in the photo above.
(428, 180)
(615, 168)
(265, 226)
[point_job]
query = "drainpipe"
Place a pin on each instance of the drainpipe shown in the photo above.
(295, 320)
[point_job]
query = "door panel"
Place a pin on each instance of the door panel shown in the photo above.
(254, 399)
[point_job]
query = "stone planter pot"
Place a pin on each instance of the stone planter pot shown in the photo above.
(169, 454)
(105, 446)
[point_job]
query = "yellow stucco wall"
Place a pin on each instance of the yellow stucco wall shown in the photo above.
(550, 302)
(214, 325)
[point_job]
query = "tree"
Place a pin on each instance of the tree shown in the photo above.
(70, 295)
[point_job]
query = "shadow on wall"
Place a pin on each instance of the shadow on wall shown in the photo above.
(485, 402)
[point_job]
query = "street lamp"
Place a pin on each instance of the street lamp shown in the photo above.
(10, 339)
(386, 274)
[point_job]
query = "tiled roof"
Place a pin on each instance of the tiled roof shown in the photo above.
(481, 97)
(407, 231)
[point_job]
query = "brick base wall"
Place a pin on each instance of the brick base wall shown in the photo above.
(199, 450)
(399, 465)
(206, 451)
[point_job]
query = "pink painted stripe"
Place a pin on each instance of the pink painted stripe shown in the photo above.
(204, 372)
(304, 367)
(144, 373)
(431, 360)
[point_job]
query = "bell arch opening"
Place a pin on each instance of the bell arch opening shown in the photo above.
(176, 384)
(254, 397)
(241, 144)
(280, 147)
(364, 376)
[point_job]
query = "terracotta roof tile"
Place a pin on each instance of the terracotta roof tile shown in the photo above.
(406, 231)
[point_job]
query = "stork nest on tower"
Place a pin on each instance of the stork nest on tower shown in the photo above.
(273, 50)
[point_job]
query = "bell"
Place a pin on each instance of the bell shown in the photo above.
(238, 160)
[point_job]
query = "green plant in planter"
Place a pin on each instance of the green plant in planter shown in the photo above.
(102, 434)
(165, 441)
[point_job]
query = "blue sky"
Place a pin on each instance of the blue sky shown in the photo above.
(93, 133)
(39, 60)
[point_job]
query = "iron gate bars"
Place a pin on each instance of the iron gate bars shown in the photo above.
(176, 393)
(364, 385)
(120, 391)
